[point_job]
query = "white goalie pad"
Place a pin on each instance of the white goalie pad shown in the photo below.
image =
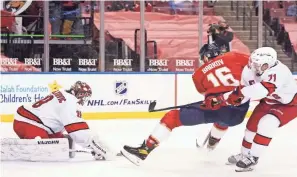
(34, 149)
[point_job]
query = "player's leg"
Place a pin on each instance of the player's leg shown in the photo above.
(160, 133)
(276, 117)
(266, 128)
(188, 116)
(250, 132)
(227, 117)
(31, 148)
(217, 131)
(28, 131)
(57, 135)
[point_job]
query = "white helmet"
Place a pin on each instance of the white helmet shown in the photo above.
(261, 59)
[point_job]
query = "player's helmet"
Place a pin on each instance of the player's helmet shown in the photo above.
(82, 91)
(262, 59)
(209, 51)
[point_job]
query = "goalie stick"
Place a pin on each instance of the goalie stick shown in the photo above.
(89, 152)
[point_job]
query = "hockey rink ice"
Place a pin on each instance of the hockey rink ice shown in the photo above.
(177, 157)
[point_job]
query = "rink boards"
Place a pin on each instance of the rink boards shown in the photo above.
(115, 95)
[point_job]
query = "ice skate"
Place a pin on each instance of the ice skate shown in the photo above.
(246, 164)
(232, 160)
(212, 143)
(136, 154)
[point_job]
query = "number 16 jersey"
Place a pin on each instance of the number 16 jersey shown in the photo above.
(221, 74)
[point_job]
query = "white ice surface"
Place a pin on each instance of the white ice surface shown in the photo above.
(177, 157)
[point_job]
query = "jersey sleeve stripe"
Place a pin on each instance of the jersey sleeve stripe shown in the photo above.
(27, 114)
(70, 128)
(269, 86)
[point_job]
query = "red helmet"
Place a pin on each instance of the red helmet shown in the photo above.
(82, 91)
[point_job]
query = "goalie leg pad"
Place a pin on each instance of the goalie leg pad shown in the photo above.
(34, 149)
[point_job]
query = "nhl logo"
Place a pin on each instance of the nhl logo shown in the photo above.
(121, 87)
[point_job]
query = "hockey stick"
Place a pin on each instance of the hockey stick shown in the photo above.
(88, 152)
(153, 104)
(204, 142)
(80, 151)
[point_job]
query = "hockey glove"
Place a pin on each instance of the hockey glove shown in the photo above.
(100, 149)
(212, 102)
(235, 97)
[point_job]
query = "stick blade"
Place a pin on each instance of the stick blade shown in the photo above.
(204, 142)
(152, 106)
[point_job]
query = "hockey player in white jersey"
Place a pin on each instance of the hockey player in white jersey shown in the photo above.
(270, 81)
(57, 112)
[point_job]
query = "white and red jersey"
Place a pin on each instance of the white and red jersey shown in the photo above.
(55, 113)
(276, 85)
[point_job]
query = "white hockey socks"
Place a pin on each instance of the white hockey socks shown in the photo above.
(218, 131)
(266, 129)
(159, 134)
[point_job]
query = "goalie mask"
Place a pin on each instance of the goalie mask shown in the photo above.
(82, 91)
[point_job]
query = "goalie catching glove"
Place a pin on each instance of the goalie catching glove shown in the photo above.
(100, 150)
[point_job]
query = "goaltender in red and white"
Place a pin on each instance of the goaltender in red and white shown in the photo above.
(40, 127)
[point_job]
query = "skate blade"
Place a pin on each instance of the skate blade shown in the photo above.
(244, 169)
(198, 145)
(230, 164)
(132, 158)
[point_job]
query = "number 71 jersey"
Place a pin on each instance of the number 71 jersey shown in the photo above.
(276, 85)
(221, 74)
